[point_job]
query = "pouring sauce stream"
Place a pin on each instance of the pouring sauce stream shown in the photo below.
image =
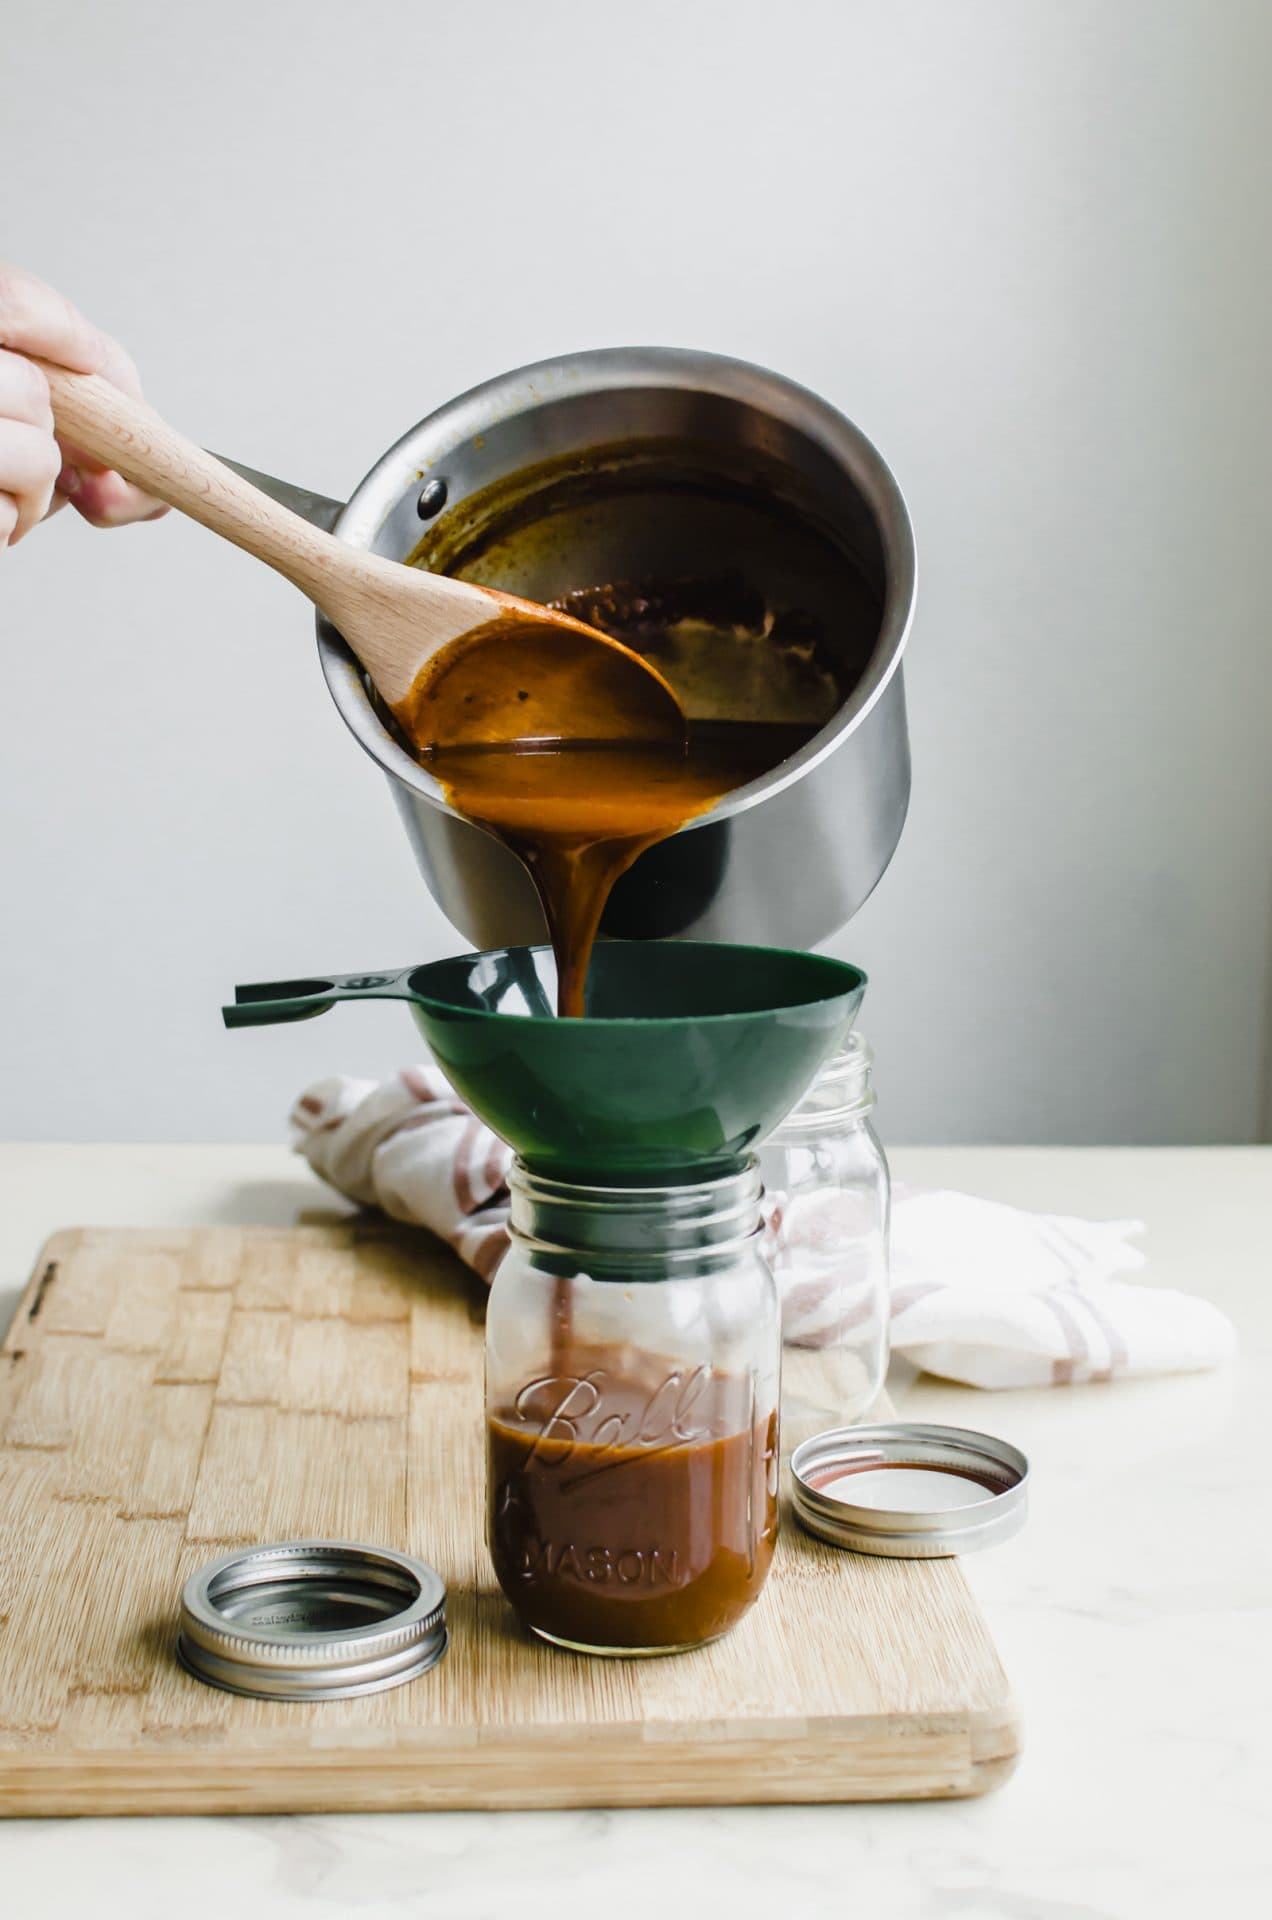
(517, 749)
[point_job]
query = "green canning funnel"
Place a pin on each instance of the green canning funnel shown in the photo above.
(689, 1055)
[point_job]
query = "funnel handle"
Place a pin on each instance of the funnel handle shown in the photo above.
(266, 1003)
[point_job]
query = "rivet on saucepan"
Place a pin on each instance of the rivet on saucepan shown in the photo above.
(432, 499)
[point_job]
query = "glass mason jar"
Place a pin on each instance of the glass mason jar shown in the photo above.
(633, 1350)
(827, 1195)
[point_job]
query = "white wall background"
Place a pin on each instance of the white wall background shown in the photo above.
(1025, 245)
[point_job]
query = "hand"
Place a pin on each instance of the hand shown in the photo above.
(37, 474)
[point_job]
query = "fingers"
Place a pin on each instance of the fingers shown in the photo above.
(24, 392)
(103, 498)
(119, 368)
(100, 496)
(35, 318)
(25, 464)
(30, 461)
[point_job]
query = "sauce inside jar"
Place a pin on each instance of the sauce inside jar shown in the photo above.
(632, 1510)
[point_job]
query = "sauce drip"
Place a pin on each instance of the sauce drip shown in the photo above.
(576, 766)
(578, 813)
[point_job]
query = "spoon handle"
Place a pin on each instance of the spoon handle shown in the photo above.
(132, 438)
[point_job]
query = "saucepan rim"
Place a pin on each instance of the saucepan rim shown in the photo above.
(603, 369)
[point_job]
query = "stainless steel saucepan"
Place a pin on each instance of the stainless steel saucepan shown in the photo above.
(608, 466)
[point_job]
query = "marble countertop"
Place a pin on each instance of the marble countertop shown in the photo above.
(1134, 1616)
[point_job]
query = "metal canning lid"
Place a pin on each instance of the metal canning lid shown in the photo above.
(908, 1490)
(311, 1620)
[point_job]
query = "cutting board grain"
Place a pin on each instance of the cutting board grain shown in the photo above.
(167, 1395)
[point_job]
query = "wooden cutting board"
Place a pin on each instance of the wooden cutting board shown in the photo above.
(167, 1395)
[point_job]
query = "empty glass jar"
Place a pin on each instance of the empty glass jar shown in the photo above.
(827, 1194)
(632, 1360)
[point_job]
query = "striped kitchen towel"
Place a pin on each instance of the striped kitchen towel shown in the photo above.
(980, 1292)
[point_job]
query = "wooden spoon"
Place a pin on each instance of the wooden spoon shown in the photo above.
(456, 664)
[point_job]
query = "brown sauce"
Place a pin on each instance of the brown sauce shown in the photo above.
(515, 680)
(720, 566)
(518, 748)
(579, 814)
(630, 1509)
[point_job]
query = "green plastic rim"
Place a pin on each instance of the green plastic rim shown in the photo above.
(811, 979)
